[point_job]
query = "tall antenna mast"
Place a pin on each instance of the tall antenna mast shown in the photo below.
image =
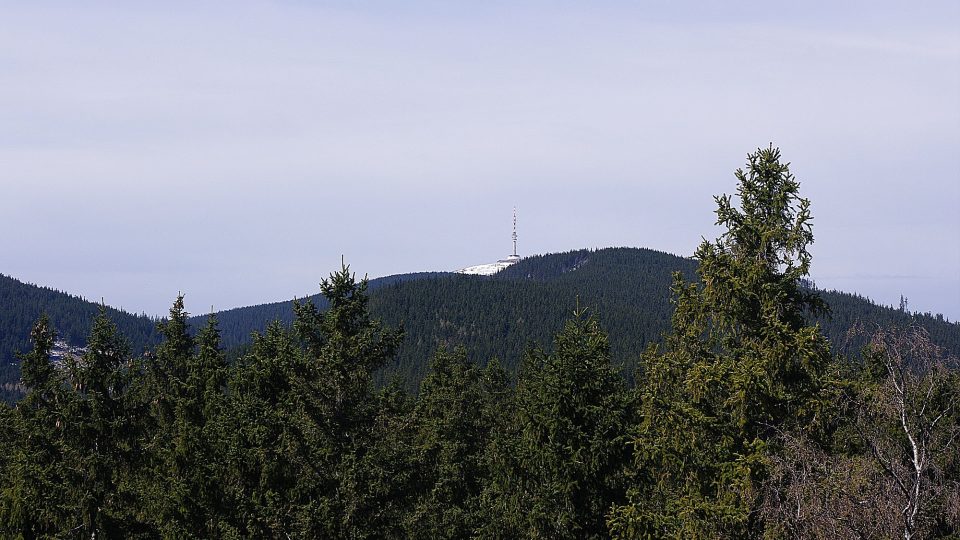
(515, 232)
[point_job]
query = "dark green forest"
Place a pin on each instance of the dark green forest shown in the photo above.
(499, 316)
(21, 305)
(619, 393)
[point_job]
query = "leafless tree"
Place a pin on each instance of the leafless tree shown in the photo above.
(909, 422)
(811, 494)
(900, 472)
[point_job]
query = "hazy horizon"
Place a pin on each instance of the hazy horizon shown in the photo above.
(235, 152)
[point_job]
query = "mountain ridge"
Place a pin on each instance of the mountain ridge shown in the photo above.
(496, 316)
(22, 303)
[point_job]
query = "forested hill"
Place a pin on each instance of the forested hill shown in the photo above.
(748, 412)
(501, 315)
(71, 316)
(237, 324)
(497, 316)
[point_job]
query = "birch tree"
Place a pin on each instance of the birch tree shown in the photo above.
(908, 419)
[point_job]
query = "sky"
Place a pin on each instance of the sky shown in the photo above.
(235, 151)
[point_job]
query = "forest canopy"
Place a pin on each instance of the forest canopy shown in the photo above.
(744, 421)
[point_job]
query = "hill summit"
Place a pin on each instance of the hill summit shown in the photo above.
(492, 268)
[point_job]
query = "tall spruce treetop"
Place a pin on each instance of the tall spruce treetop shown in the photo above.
(101, 434)
(168, 370)
(35, 367)
(309, 394)
(99, 376)
(753, 274)
(177, 345)
(34, 476)
(751, 301)
(739, 365)
(208, 371)
(348, 345)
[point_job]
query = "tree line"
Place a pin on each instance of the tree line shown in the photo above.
(742, 422)
(20, 306)
(627, 289)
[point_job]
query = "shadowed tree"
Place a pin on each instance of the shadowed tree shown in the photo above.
(263, 448)
(558, 469)
(454, 417)
(187, 380)
(305, 417)
(101, 435)
(33, 502)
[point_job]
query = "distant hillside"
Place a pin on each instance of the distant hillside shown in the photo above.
(21, 305)
(237, 324)
(492, 316)
(848, 310)
(501, 315)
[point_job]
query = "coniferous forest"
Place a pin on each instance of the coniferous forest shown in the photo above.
(747, 411)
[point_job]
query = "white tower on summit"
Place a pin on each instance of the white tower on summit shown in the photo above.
(493, 268)
(515, 232)
(514, 257)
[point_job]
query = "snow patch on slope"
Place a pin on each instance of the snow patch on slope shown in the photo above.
(489, 269)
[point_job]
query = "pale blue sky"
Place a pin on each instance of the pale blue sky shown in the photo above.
(234, 150)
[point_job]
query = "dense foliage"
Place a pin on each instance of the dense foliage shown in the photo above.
(21, 304)
(627, 289)
(741, 423)
(740, 364)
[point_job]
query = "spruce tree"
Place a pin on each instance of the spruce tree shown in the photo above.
(186, 386)
(303, 421)
(161, 394)
(343, 347)
(264, 452)
(169, 369)
(740, 365)
(558, 468)
(454, 419)
(32, 503)
(37, 372)
(203, 431)
(101, 436)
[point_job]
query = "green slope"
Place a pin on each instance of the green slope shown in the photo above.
(21, 305)
(524, 305)
(237, 324)
(496, 316)
(501, 315)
